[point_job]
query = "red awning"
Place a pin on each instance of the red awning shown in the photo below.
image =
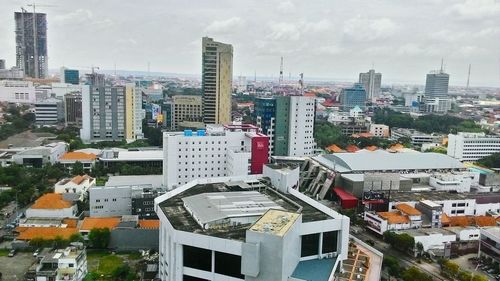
(344, 195)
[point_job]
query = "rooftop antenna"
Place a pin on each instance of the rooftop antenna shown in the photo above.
(115, 68)
(373, 65)
(442, 62)
(255, 76)
(468, 77)
(301, 83)
(281, 72)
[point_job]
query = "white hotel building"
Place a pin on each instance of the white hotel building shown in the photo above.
(470, 147)
(218, 151)
(255, 227)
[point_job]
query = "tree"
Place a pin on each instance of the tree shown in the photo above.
(99, 237)
(392, 265)
(420, 248)
(414, 274)
(77, 169)
(450, 269)
(76, 237)
(492, 161)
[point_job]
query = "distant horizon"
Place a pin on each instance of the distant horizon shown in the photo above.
(260, 78)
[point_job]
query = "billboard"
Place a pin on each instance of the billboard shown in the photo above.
(155, 111)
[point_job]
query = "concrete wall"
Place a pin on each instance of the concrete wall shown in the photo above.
(110, 201)
(128, 239)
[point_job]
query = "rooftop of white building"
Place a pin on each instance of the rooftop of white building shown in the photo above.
(207, 200)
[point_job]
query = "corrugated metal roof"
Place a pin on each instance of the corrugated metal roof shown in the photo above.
(382, 160)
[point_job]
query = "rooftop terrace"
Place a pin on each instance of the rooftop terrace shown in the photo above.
(181, 219)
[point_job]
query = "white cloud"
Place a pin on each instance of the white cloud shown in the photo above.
(286, 7)
(475, 9)
(284, 31)
(224, 26)
(319, 26)
(362, 29)
(79, 15)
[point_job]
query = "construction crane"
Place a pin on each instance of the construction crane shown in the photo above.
(35, 46)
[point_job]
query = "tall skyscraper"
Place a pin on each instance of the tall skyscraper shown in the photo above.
(436, 92)
(73, 109)
(352, 97)
(31, 43)
(133, 113)
(217, 77)
(371, 81)
(288, 121)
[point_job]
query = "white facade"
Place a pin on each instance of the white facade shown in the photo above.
(22, 92)
(460, 207)
(379, 130)
(269, 250)
(61, 89)
(109, 201)
(85, 131)
(69, 212)
(211, 154)
(49, 153)
(417, 138)
(79, 185)
(49, 111)
(69, 264)
(472, 146)
(451, 182)
(301, 126)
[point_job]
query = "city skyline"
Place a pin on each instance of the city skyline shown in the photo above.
(349, 39)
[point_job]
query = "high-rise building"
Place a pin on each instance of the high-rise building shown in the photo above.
(111, 113)
(2, 64)
(133, 113)
(186, 108)
(31, 43)
(218, 151)
(352, 97)
(69, 76)
(256, 227)
(217, 76)
(289, 123)
(371, 82)
(436, 92)
(73, 109)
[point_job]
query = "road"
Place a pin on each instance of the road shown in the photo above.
(406, 261)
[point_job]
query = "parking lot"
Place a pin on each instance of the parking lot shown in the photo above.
(13, 268)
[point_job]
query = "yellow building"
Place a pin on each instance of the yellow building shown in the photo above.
(133, 113)
(217, 78)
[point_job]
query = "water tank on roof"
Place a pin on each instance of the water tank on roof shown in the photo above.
(200, 133)
(188, 133)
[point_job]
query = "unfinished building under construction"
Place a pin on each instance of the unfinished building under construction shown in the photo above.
(31, 43)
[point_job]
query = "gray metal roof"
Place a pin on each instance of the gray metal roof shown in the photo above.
(152, 180)
(380, 160)
(209, 207)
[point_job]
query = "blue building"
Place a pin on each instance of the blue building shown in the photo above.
(352, 97)
(70, 76)
(265, 114)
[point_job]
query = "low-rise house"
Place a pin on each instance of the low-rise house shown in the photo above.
(70, 158)
(90, 223)
(78, 186)
(52, 205)
(406, 217)
(63, 264)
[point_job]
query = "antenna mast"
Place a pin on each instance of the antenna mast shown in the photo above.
(468, 78)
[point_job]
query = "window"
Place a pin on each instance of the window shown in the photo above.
(310, 245)
(197, 258)
(329, 242)
(228, 264)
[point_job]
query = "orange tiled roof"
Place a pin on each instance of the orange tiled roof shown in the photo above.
(334, 148)
(72, 223)
(154, 224)
(90, 223)
(78, 156)
(485, 221)
(362, 135)
(445, 219)
(393, 217)
(352, 148)
(51, 201)
(47, 233)
(408, 210)
(397, 146)
(309, 94)
(80, 179)
(371, 148)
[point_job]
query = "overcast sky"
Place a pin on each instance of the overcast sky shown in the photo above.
(334, 39)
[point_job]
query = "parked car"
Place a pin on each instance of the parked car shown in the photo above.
(12, 253)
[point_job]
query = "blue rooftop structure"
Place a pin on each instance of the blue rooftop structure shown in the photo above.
(314, 270)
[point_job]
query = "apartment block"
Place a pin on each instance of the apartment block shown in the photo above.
(471, 147)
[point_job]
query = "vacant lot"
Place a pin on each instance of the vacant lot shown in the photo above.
(13, 268)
